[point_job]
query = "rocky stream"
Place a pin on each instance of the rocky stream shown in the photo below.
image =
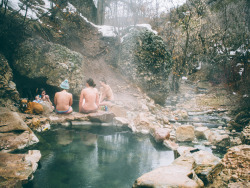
(193, 125)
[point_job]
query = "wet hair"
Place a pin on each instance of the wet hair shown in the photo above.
(91, 82)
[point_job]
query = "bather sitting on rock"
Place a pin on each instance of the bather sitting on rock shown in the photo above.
(44, 97)
(106, 93)
(89, 98)
(63, 100)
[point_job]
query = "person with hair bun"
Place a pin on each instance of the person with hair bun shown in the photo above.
(89, 98)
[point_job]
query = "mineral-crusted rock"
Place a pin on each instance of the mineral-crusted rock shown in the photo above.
(182, 114)
(200, 132)
(169, 176)
(235, 141)
(17, 168)
(185, 133)
(8, 91)
(160, 134)
(184, 150)
(170, 144)
(219, 140)
(143, 123)
(39, 59)
(47, 107)
(207, 167)
(237, 163)
(101, 116)
(14, 133)
(120, 121)
(245, 135)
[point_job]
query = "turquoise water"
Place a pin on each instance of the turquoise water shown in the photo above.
(100, 157)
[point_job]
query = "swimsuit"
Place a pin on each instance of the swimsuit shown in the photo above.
(62, 112)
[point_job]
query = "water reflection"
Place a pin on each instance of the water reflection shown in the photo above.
(96, 159)
(64, 137)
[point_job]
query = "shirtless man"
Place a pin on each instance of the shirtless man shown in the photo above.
(63, 100)
(106, 93)
(89, 98)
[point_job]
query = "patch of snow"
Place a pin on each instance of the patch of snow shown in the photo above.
(232, 52)
(238, 64)
(47, 4)
(220, 51)
(148, 26)
(245, 95)
(70, 8)
(95, 2)
(32, 14)
(107, 31)
(199, 67)
(32, 11)
(14, 4)
(184, 78)
(86, 19)
(242, 49)
(234, 93)
(122, 39)
(241, 71)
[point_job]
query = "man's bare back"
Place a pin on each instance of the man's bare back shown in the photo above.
(89, 100)
(63, 101)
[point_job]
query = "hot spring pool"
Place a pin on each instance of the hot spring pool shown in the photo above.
(97, 157)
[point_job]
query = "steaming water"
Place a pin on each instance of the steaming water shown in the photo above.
(99, 157)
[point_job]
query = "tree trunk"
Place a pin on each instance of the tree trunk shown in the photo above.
(100, 12)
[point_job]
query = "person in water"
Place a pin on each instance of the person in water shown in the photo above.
(63, 100)
(89, 98)
(106, 93)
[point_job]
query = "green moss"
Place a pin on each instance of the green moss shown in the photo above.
(145, 58)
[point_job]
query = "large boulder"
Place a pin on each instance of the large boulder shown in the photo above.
(193, 168)
(207, 167)
(174, 175)
(185, 133)
(237, 163)
(39, 59)
(200, 132)
(145, 59)
(160, 134)
(170, 144)
(8, 92)
(16, 169)
(120, 121)
(143, 123)
(219, 140)
(101, 117)
(236, 168)
(14, 133)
